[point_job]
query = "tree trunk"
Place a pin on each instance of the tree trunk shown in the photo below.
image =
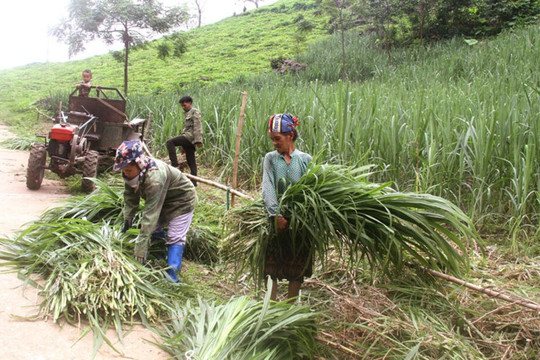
(126, 64)
(199, 11)
(387, 31)
(422, 21)
(343, 57)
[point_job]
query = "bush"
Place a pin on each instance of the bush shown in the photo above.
(276, 63)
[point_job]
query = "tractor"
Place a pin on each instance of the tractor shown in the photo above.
(92, 130)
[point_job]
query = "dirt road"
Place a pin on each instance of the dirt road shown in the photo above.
(40, 339)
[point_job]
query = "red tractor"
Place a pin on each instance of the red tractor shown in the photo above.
(93, 129)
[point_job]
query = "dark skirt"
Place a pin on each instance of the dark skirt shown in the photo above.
(287, 259)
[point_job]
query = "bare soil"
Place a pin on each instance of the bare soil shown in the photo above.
(42, 339)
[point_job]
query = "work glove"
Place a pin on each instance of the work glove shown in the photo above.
(127, 225)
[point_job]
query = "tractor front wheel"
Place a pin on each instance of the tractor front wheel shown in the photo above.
(89, 170)
(36, 166)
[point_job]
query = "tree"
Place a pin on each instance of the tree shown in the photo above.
(130, 22)
(383, 13)
(342, 18)
(420, 13)
(256, 2)
(199, 4)
(172, 45)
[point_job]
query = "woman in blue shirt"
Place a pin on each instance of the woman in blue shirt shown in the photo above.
(285, 258)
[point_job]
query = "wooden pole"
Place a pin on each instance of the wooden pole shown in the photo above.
(237, 149)
(146, 127)
(208, 182)
(526, 303)
(219, 186)
(121, 113)
(60, 117)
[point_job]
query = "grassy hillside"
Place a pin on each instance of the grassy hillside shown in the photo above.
(239, 45)
(452, 119)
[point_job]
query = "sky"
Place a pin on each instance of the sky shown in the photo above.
(25, 26)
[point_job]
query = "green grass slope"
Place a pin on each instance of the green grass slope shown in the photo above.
(240, 45)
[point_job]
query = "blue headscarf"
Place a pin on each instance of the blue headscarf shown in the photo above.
(282, 123)
(132, 150)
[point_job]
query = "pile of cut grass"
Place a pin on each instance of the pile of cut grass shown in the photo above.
(105, 204)
(334, 207)
(241, 329)
(87, 273)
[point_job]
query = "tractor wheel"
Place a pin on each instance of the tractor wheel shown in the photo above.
(89, 170)
(36, 166)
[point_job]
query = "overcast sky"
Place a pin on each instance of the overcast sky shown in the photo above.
(25, 25)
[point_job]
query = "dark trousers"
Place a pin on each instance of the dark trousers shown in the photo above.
(189, 149)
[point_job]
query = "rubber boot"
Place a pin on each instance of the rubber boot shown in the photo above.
(174, 259)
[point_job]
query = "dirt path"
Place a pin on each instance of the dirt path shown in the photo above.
(40, 339)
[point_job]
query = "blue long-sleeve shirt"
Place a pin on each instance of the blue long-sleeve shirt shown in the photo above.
(277, 175)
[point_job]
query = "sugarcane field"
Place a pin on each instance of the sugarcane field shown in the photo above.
(270, 179)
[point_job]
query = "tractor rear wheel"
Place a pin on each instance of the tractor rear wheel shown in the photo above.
(36, 166)
(89, 170)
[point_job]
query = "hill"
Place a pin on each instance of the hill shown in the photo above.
(240, 45)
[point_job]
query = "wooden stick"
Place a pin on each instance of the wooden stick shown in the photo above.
(219, 186)
(334, 344)
(208, 182)
(237, 149)
(146, 128)
(43, 114)
(121, 113)
(526, 303)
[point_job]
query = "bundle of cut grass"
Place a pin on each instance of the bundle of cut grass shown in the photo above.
(241, 329)
(335, 207)
(87, 274)
(105, 204)
(202, 245)
(19, 143)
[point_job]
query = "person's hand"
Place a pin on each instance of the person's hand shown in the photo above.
(160, 234)
(282, 223)
(141, 249)
(127, 225)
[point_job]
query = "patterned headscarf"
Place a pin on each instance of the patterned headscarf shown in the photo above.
(132, 150)
(282, 123)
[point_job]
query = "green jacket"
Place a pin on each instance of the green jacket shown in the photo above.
(193, 130)
(167, 193)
